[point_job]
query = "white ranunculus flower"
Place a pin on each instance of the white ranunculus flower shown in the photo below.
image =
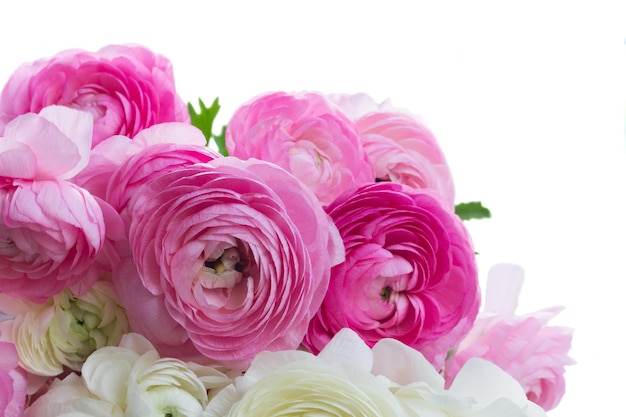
(337, 382)
(65, 330)
(480, 389)
(71, 398)
(135, 378)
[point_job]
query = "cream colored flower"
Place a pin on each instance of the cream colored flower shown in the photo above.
(337, 382)
(65, 330)
(138, 381)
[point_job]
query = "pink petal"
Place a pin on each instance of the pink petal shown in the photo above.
(17, 160)
(76, 125)
(173, 132)
(504, 284)
(57, 155)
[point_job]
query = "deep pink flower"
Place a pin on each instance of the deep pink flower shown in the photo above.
(240, 251)
(400, 146)
(410, 272)
(525, 346)
(126, 88)
(12, 382)
(304, 134)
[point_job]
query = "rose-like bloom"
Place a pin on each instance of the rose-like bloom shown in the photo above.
(525, 346)
(337, 382)
(125, 87)
(12, 382)
(65, 330)
(131, 380)
(409, 273)
(51, 231)
(401, 148)
(240, 251)
(304, 134)
(479, 389)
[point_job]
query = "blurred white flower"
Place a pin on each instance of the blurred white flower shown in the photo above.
(71, 398)
(479, 389)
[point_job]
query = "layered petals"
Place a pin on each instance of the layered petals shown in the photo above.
(240, 251)
(409, 274)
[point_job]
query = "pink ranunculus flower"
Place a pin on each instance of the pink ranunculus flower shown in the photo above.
(410, 272)
(400, 146)
(12, 382)
(51, 231)
(125, 87)
(525, 346)
(241, 252)
(304, 134)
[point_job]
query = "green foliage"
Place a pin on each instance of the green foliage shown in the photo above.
(204, 119)
(472, 210)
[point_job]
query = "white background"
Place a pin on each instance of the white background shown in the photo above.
(527, 98)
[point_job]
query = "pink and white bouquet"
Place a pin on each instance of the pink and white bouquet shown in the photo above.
(307, 259)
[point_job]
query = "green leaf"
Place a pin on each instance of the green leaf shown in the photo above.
(472, 210)
(203, 120)
(220, 141)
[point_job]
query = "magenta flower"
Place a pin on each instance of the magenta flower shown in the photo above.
(240, 251)
(12, 382)
(304, 134)
(525, 346)
(126, 89)
(409, 273)
(400, 146)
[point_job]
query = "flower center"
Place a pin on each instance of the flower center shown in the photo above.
(8, 247)
(229, 261)
(385, 293)
(223, 272)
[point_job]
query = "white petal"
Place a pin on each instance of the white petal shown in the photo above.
(504, 284)
(347, 347)
(404, 365)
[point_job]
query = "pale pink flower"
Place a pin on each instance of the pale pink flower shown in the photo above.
(410, 272)
(525, 346)
(304, 134)
(12, 382)
(125, 87)
(400, 146)
(241, 252)
(51, 231)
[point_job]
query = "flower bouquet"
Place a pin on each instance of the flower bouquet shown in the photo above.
(306, 259)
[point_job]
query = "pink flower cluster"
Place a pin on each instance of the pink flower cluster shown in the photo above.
(330, 212)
